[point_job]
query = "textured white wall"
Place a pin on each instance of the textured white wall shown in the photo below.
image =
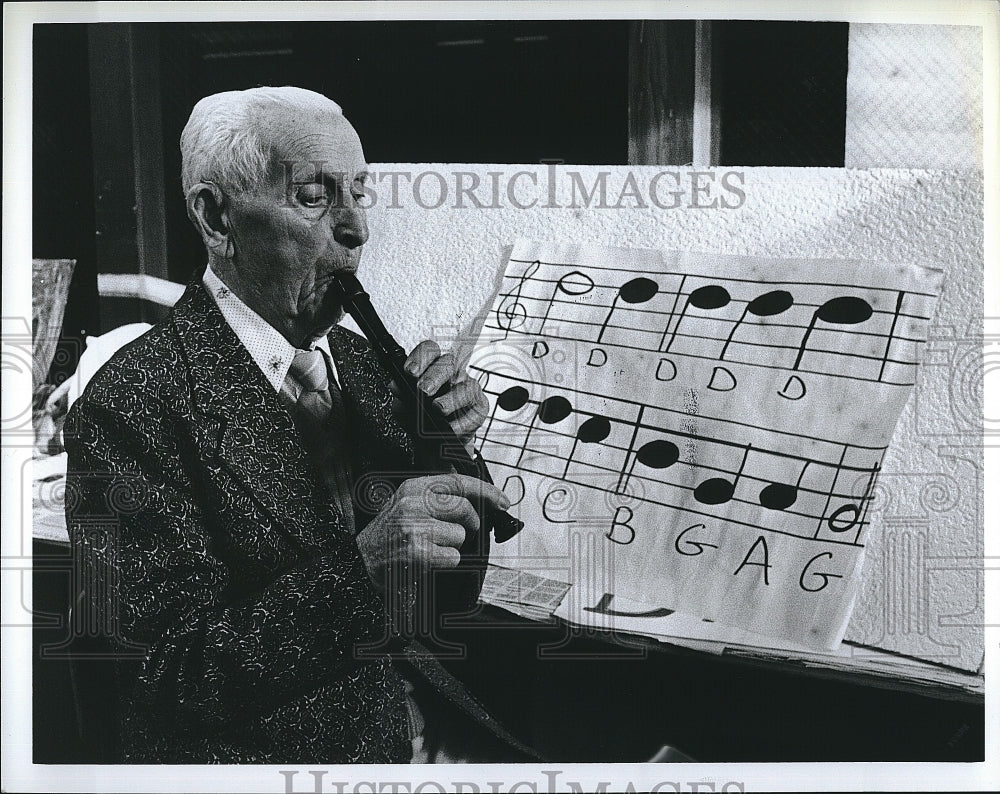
(432, 270)
(914, 96)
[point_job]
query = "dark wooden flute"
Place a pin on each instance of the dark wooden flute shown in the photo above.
(440, 449)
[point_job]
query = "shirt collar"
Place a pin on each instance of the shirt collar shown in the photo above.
(271, 352)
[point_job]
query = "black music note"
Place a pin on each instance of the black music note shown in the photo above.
(766, 305)
(845, 310)
(554, 409)
(510, 308)
(513, 398)
(707, 298)
(510, 400)
(638, 290)
(657, 454)
(719, 490)
(593, 431)
(892, 330)
(550, 411)
(572, 283)
(781, 496)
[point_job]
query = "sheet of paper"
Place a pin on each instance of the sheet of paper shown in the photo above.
(699, 431)
(619, 615)
(522, 592)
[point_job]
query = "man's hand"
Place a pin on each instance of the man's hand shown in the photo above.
(425, 524)
(464, 404)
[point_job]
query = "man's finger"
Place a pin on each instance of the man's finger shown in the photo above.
(469, 487)
(421, 358)
(445, 557)
(467, 424)
(446, 533)
(437, 375)
(457, 509)
(461, 397)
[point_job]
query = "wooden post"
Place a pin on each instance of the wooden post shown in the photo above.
(661, 92)
(128, 159)
(705, 143)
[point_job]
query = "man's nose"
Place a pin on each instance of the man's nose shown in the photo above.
(351, 227)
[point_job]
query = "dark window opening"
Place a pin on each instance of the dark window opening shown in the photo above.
(782, 89)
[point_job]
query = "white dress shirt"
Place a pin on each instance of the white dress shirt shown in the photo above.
(267, 347)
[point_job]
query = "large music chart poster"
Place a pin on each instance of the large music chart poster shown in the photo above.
(695, 432)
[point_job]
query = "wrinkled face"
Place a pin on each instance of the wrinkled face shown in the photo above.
(302, 224)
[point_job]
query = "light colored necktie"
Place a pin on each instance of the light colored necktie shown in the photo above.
(308, 369)
(319, 414)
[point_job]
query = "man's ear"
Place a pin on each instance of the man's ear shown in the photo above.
(209, 212)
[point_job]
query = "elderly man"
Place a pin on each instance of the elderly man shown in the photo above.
(212, 464)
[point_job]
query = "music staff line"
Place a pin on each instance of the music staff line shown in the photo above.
(775, 346)
(680, 413)
(659, 453)
(843, 311)
(867, 501)
(840, 467)
(770, 282)
(634, 476)
(677, 294)
(688, 509)
(803, 370)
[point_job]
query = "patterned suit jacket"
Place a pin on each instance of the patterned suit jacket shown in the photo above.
(208, 541)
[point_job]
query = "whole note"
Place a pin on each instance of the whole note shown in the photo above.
(573, 283)
(845, 310)
(707, 298)
(638, 290)
(766, 305)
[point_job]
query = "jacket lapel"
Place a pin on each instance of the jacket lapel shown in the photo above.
(243, 427)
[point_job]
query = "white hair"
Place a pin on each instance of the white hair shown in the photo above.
(221, 141)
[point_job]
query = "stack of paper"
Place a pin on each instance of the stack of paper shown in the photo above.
(522, 593)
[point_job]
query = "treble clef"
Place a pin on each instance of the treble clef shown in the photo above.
(511, 313)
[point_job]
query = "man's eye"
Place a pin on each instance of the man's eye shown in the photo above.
(314, 195)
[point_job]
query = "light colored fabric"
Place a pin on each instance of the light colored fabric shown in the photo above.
(267, 347)
(317, 407)
(97, 353)
(308, 381)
